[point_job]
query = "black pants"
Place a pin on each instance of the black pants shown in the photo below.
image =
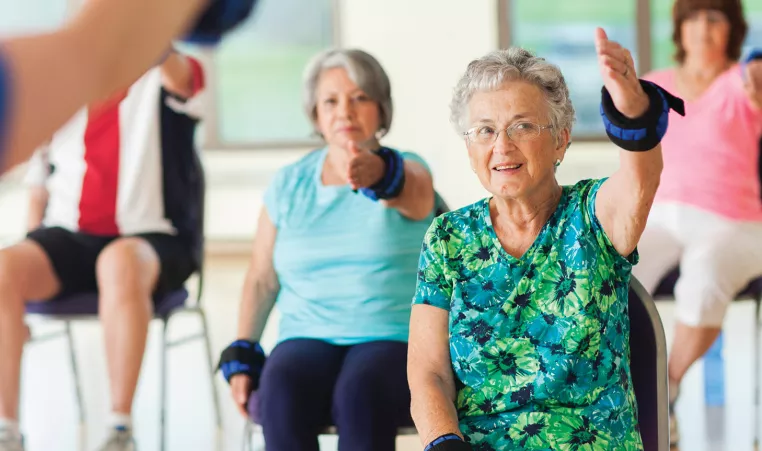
(309, 384)
(74, 256)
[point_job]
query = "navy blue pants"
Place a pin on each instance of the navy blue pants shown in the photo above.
(362, 389)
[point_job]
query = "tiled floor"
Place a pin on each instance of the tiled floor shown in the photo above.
(50, 417)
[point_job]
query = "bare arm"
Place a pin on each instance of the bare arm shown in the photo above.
(105, 48)
(624, 200)
(429, 373)
(177, 75)
(38, 201)
(417, 198)
(752, 83)
(261, 285)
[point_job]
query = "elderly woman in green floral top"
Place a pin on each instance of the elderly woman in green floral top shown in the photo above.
(519, 332)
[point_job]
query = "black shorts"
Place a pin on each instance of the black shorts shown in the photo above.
(74, 257)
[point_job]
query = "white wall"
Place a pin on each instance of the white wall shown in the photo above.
(425, 45)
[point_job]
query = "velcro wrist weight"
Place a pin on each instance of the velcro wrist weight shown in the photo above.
(448, 442)
(644, 132)
(243, 357)
(393, 181)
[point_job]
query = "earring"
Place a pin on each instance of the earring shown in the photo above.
(558, 162)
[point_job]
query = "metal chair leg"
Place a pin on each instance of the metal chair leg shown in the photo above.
(756, 357)
(247, 442)
(75, 374)
(163, 385)
(248, 436)
(212, 370)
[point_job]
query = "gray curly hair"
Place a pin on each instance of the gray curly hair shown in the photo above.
(363, 69)
(492, 70)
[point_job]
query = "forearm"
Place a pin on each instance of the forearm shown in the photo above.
(106, 47)
(177, 75)
(257, 302)
(38, 202)
(417, 197)
(433, 407)
(640, 173)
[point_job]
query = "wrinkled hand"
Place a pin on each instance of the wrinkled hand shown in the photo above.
(618, 72)
(240, 388)
(364, 167)
(753, 82)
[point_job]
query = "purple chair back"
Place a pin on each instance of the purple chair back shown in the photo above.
(648, 367)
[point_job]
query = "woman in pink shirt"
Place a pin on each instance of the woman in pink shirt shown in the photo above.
(707, 214)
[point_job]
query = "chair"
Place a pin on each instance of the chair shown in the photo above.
(648, 368)
(666, 290)
(85, 307)
(255, 416)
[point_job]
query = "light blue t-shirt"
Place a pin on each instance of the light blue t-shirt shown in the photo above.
(347, 265)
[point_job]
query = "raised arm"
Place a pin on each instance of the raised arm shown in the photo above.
(417, 197)
(371, 172)
(624, 200)
(104, 48)
(182, 75)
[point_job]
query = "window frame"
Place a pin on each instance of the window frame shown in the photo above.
(642, 41)
(211, 124)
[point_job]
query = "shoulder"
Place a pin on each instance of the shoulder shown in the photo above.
(466, 216)
(583, 189)
(458, 226)
(299, 171)
(733, 81)
(580, 197)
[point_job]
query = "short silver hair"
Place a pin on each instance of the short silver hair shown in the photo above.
(489, 72)
(363, 69)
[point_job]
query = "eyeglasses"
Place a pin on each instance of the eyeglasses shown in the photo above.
(520, 131)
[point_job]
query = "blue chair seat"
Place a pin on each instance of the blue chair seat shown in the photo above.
(87, 304)
(667, 286)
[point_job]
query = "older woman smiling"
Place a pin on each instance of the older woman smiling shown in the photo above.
(519, 330)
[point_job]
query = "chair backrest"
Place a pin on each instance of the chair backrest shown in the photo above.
(648, 366)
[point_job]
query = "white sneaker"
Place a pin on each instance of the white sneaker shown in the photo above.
(11, 441)
(120, 439)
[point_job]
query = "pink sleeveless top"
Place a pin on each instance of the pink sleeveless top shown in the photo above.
(711, 155)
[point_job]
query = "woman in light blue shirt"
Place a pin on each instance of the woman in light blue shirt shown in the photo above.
(337, 249)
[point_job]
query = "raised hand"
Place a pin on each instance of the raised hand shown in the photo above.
(364, 168)
(619, 76)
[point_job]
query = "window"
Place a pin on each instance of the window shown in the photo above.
(31, 16)
(562, 32)
(258, 73)
(661, 30)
